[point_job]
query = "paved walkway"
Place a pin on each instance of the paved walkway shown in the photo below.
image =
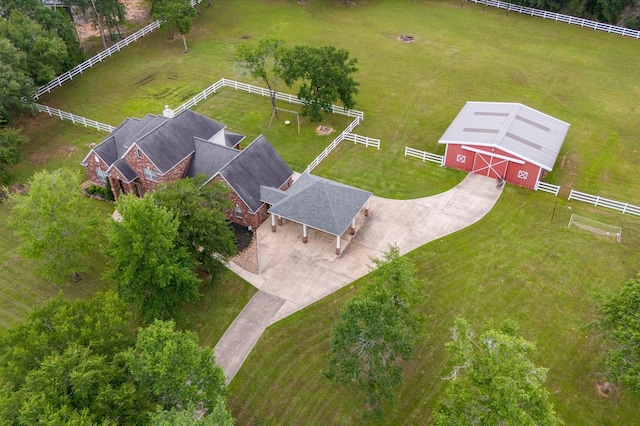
(292, 275)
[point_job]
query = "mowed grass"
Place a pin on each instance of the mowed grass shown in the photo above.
(515, 263)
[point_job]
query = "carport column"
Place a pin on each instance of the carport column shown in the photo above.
(338, 245)
(353, 227)
(366, 209)
(279, 221)
(304, 233)
(273, 223)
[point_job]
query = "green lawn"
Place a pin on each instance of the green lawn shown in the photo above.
(519, 262)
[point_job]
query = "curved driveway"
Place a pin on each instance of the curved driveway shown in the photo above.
(293, 275)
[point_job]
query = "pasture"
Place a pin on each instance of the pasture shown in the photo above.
(515, 263)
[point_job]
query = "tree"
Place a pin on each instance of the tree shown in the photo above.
(55, 228)
(619, 320)
(326, 74)
(103, 13)
(62, 366)
(16, 87)
(176, 370)
(45, 52)
(10, 141)
(493, 381)
(192, 417)
(375, 331)
(263, 62)
(152, 271)
(203, 228)
(176, 13)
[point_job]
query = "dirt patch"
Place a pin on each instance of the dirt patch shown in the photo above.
(405, 38)
(607, 390)
(324, 130)
(136, 12)
(41, 157)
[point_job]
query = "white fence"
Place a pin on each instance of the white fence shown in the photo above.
(561, 18)
(100, 56)
(423, 155)
(547, 187)
(75, 119)
(332, 145)
(249, 88)
(366, 141)
(604, 202)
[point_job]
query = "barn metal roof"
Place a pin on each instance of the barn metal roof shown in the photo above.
(512, 127)
(322, 204)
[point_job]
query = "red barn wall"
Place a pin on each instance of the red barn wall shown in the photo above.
(525, 175)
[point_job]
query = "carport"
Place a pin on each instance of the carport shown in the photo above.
(318, 203)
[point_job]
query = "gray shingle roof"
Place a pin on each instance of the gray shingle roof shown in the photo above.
(209, 158)
(124, 168)
(512, 127)
(319, 203)
(258, 164)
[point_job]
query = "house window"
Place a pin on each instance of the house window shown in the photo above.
(460, 158)
(150, 175)
(138, 153)
(102, 175)
(238, 211)
(522, 174)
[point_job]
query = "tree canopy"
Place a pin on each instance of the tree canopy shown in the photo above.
(493, 381)
(324, 74)
(177, 14)
(10, 141)
(106, 15)
(16, 87)
(375, 331)
(55, 229)
(619, 320)
(203, 229)
(151, 269)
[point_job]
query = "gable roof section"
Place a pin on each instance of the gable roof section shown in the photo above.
(209, 158)
(258, 164)
(515, 128)
(322, 204)
(124, 169)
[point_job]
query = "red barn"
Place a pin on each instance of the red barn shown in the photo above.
(504, 140)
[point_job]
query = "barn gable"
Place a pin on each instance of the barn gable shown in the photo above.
(516, 129)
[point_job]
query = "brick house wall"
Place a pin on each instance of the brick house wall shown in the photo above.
(93, 162)
(244, 216)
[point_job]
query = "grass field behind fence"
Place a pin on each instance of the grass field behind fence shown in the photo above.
(520, 261)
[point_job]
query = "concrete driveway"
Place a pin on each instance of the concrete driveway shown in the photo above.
(292, 275)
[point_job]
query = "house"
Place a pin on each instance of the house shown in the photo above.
(142, 153)
(502, 140)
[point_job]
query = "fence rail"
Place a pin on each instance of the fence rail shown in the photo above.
(364, 140)
(548, 187)
(332, 145)
(423, 155)
(75, 119)
(599, 26)
(598, 201)
(79, 69)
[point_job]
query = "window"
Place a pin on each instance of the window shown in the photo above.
(150, 175)
(238, 211)
(138, 153)
(102, 175)
(461, 158)
(522, 174)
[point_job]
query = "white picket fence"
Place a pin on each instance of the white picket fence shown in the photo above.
(332, 145)
(249, 88)
(598, 201)
(599, 26)
(423, 155)
(547, 187)
(62, 78)
(364, 140)
(75, 119)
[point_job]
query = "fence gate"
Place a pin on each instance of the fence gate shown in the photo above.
(488, 165)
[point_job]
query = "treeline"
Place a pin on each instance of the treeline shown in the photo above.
(623, 13)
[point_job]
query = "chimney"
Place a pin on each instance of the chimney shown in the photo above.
(168, 112)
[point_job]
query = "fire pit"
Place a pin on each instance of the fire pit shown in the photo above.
(406, 39)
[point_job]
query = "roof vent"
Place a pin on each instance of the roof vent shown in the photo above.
(168, 112)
